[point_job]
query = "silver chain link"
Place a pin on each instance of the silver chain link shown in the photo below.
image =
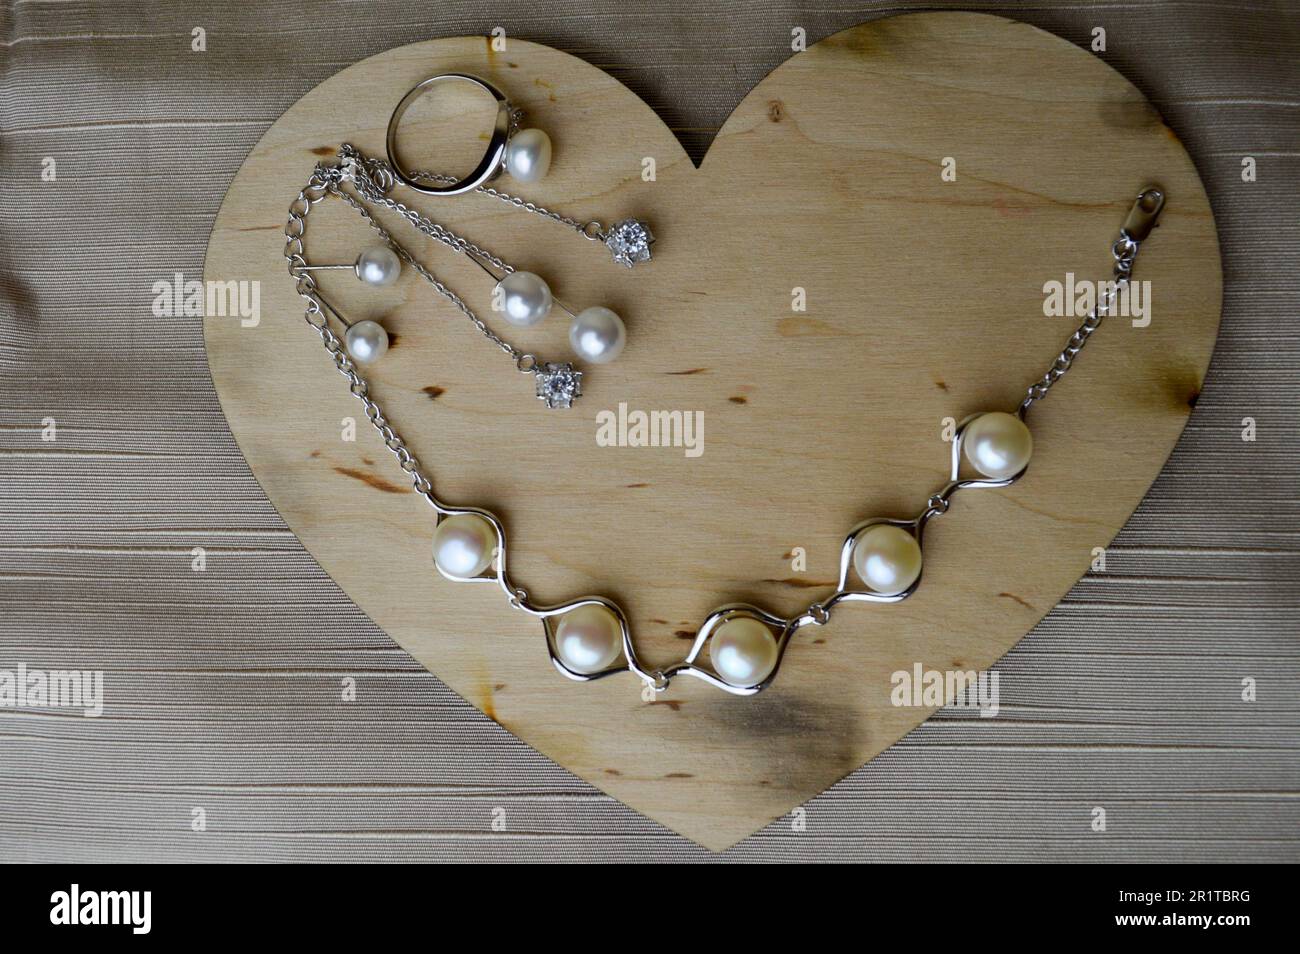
(593, 229)
(295, 228)
(1124, 251)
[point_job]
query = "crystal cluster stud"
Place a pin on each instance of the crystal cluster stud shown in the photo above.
(630, 242)
(558, 384)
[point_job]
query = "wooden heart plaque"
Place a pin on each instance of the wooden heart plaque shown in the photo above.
(913, 183)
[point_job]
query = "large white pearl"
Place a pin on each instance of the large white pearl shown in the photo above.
(367, 341)
(525, 298)
(997, 444)
(588, 639)
(379, 266)
(887, 558)
(528, 155)
(463, 545)
(597, 335)
(743, 651)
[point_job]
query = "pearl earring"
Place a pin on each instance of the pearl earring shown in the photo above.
(378, 265)
(366, 340)
(596, 334)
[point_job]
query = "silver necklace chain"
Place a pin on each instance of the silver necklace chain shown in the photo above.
(1124, 251)
(592, 230)
(325, 181)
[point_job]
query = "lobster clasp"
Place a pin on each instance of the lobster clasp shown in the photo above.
(1145, 213)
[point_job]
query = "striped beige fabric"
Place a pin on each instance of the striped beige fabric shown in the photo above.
(222, 686)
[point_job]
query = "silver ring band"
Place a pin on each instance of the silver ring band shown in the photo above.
(490, 164)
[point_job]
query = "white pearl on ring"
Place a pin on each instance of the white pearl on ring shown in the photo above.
(997, 444)
(597, 335)
(588, 639)
(525, 298)
(367, 341)
(887, 558)
(528, 155)
(743, 652)
(464, 544)
(379, 265)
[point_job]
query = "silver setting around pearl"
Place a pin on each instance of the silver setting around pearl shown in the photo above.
(782, 631)
(629, 241)
(558, 384)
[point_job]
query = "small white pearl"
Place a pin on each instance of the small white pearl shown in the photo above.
(743, 651)
(367, 341)
(528, 156)
(887, 558)
(525, 298)
(463, 544)
(597, 335)
(997, 444)
(588, 639)
(379, 266)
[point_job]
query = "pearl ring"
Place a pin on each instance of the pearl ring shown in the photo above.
(525, 154)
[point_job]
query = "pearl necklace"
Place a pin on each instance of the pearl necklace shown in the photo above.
(880, 560)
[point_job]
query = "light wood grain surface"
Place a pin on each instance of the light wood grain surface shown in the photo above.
(925, 302)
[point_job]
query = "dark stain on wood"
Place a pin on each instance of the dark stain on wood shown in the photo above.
(323, 151)
(635, 486)
(775, 110)
(738, 399)
(434, 392)
(800, 583)
(1012, 596)
(689, 371)
(679, 775)
(377, 482)
(685, 634)
(1182, 388)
